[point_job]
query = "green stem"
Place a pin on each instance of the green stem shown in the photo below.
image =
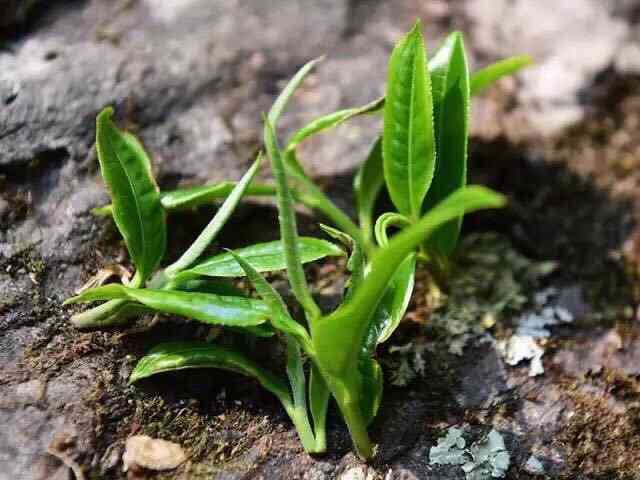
(301, 423)
(315, 198)
(356, 424)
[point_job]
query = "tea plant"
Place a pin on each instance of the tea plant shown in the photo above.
(421, 158)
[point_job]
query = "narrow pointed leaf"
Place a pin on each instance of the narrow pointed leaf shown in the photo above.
(216, 223)
(367, 185)
(264, 257)
(173, 356)
(137, 210)
(195, 196)
(192, 197)
(451, 97)
(205, 307)
(352, 319)
(281, 102)
(280, 317)
(288, 226)
(486, 76)
(408, 137)
(332, 120)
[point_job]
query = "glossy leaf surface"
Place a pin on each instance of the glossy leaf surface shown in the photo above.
(264, 257)
(451, 96)
(169, 357)
(486, 76)
(408, 138)
(137, 211)
(394, 302)
(205, 307)
(339, 336)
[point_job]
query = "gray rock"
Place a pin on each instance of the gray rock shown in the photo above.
(558, 36)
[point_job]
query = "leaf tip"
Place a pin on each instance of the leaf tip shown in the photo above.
(105, 114)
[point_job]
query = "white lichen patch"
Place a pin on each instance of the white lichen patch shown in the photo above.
(485, 459)
(522, 347)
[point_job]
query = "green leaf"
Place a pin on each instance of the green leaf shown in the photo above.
(195, 196)
(332, 120)
(137, 210)
(192, 197)
(408, 138)
(288, 227)
(338, 338)
(394, 302)
(281, 102)
(216, 223)
(367, 185)
(494, 72)
(205, 307)
(280, 317)
(173, 356)
(264, 257)
(372, 386)
(451, 97)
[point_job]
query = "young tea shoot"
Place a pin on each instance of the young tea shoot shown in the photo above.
(419, 157)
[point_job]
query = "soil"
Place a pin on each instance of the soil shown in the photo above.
(573, 201)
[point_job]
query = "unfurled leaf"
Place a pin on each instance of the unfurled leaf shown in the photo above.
(450, 87)
(137, 210)
(367, 185)
(169, 357)
(283, 99)
(332, 120)
(217, 222)
(195, 196)
(191, 197)
(205, 307)
(494, 72)
(264, 257)
(408, 138)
